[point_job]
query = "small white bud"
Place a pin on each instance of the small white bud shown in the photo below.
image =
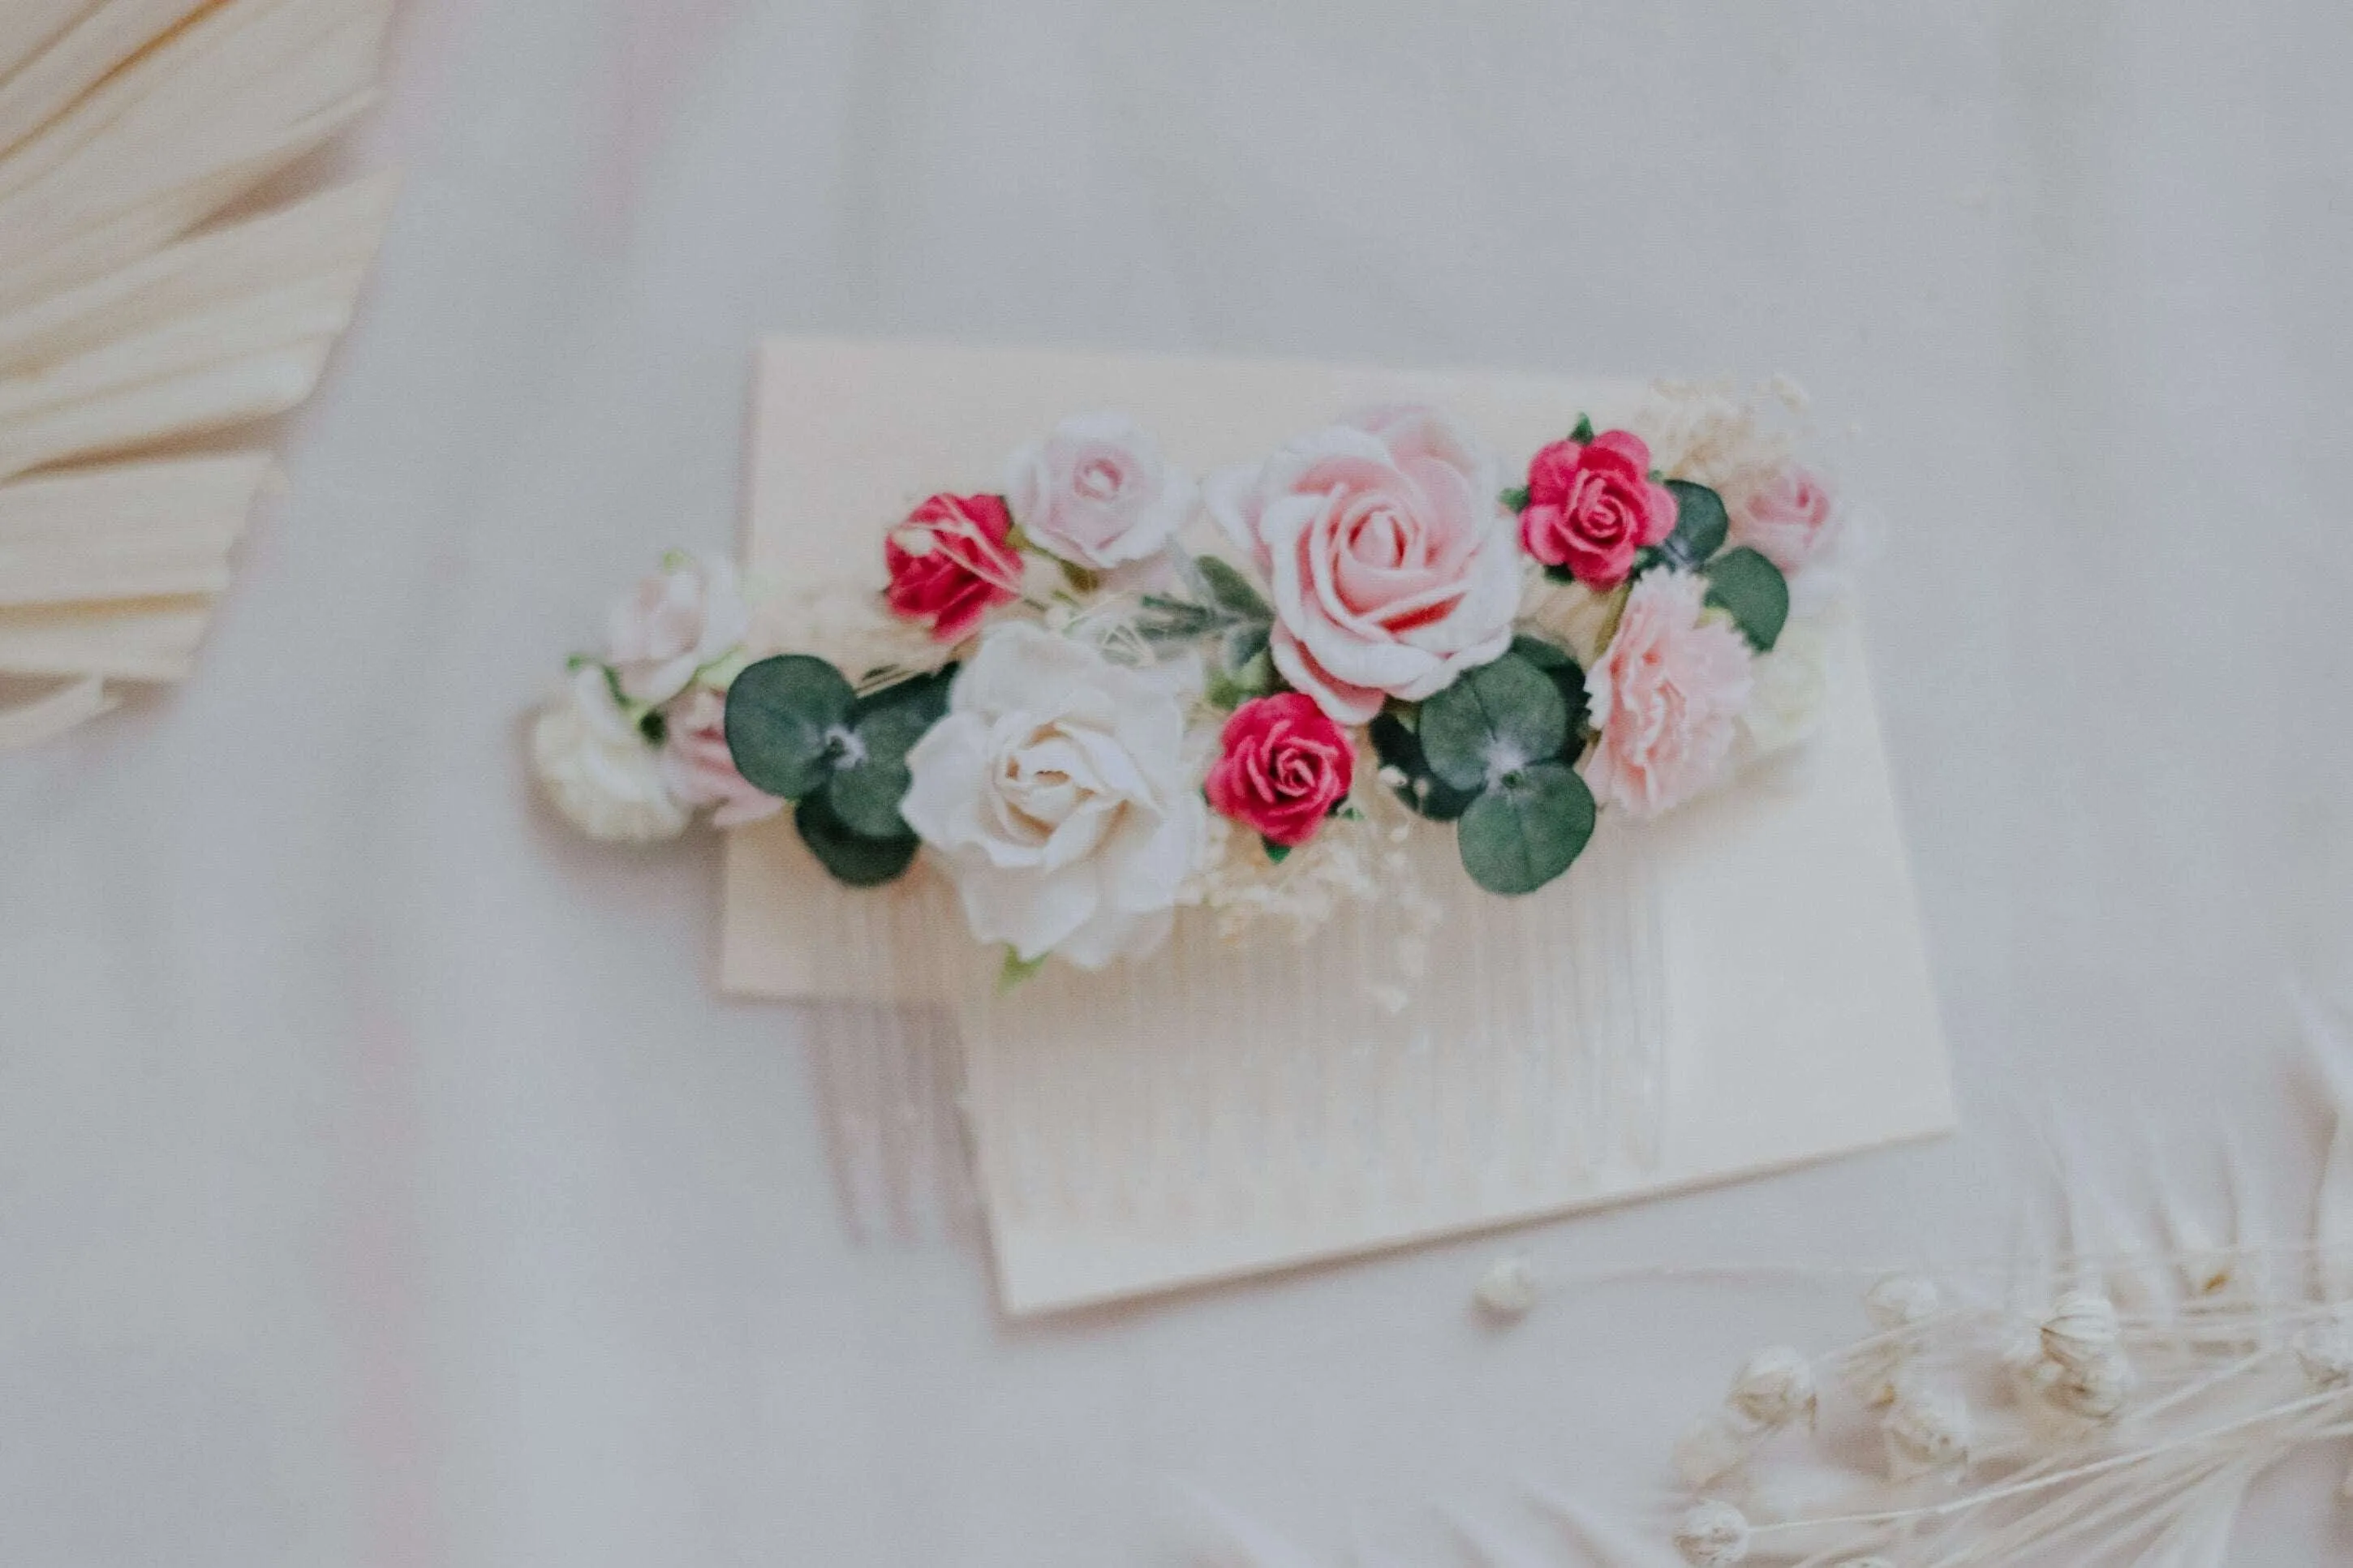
(2096, 1391)
(1775, 1388)
(1508, 1288)
(2080, 1330)
(1711, 1448)
(1712, 1535)
(1926, 1430)
(1900, 1301)
(2325, 1352)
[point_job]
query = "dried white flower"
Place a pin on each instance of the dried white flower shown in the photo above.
(1508, 1288)
(1926, 1430)
(1896, 1304)
(2081, 1331)
(1775, 1388)
(2325, 1352)
(1712, 1535)
(2081, 1368)
(1711, 1448)
(1901, 1302)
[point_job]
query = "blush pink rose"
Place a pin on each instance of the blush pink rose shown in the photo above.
(1786, 520)
(1592, 505)
(951, 564)
(698, 767)
(1095, 492)
(686, 615)
(1282, 766)
(1667, 698)
(1393, 567)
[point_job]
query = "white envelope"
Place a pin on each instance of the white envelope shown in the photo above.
(1739, 988)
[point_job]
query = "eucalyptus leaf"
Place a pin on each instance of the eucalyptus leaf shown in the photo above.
(786, 720)
(1701, 525)
(1567, 676)
(1527, 828)
(1753, 590)
(1398, 747)
(1231, 591)
(870, 776)
(851, 856)
(1493, 719)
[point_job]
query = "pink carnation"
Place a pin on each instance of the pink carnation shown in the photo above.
(1667, 698)
(699, 768)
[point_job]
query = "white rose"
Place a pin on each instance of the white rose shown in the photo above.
(1095, 492)
(1785, 702)
(686, 615)
(602, 775)
(1056, 789)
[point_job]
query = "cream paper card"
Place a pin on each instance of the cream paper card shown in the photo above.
(1739, 988)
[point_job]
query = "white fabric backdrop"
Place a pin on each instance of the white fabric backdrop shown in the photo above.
(382, 1182)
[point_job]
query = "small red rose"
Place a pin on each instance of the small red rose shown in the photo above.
(950, 563)
(1283, 765)
(1592, 505)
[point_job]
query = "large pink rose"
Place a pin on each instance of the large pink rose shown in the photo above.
(699, 768)
(1282, 766)
(1394, 568)
(1592, 505)
(1786, 519)
(1667, 698)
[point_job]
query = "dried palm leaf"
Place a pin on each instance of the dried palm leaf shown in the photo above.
(128, 325)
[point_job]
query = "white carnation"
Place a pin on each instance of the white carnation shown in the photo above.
(602, 775)
(1057, 791)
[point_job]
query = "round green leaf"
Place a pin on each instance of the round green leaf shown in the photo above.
(1753, 590)
(1423, 791)
(851, 856)
(1526, 829)
(870, 776)
(784, 718)
(1560, 667)
(1493, 719)
(1700, 524)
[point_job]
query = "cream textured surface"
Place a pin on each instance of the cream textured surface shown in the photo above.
(383, 1180)
(131, 321)
(1741, 987)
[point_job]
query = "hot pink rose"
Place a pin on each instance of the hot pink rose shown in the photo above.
(1283, 765)
(1592, 504)
(950, 563)
(1667, 698)
(1394, 569)
(1786, 519)
(698, 767)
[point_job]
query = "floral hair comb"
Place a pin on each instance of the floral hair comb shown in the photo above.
(1105, 692)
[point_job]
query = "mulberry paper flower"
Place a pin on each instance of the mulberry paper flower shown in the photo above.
(1667, 698)
(600, 772)
(1057, 792)
(1393, 566)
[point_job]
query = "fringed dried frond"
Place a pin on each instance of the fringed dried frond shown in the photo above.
(125, 125)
